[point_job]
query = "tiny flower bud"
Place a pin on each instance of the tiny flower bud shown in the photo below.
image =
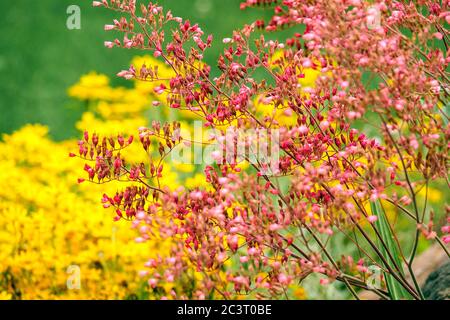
(109, 44)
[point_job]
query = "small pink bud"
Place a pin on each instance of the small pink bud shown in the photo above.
(143, 273)
(438, 35)
(243, 259)
(303, 130)
(140, 215)
(139, 240)
(123, 73)
(160, 89)
(170, 278)
(120, 140)
(152, 282)
(372, 218)
(324, 125)
(274, 227)
(283, 279)
(109, 44)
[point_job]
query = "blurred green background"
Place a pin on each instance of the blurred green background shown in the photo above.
(40, 58)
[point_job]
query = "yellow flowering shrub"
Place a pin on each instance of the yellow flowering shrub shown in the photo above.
(48, 224)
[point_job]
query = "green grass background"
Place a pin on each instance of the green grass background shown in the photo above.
(40, 58)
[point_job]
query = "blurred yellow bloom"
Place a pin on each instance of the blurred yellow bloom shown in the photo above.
(91, 86)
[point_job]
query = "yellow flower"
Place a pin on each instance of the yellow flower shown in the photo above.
(5, 295)
(300, 293)
(92, 86)
(48, 223)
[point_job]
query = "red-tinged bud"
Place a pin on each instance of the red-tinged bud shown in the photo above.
(233, 243)
(117, 163)
(81, 180)
(105, 198)
(95, 139)
(124, 74)
(109, 44)
(119, 213)
(130, 140)
(86, 136)
(72, 155)
(186, 25)
(152, 169)
(120, 140)
(337, 141)
(210, 39)
(210, 118)
(160, 89)
(109, 27)
(260, 24)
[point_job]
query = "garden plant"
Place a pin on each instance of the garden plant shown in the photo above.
(335, 131)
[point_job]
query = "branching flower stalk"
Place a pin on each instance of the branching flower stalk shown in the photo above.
(330, 178)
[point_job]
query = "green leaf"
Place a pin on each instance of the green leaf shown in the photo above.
(396, 290)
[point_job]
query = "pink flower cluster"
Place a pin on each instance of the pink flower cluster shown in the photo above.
(277, 230)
